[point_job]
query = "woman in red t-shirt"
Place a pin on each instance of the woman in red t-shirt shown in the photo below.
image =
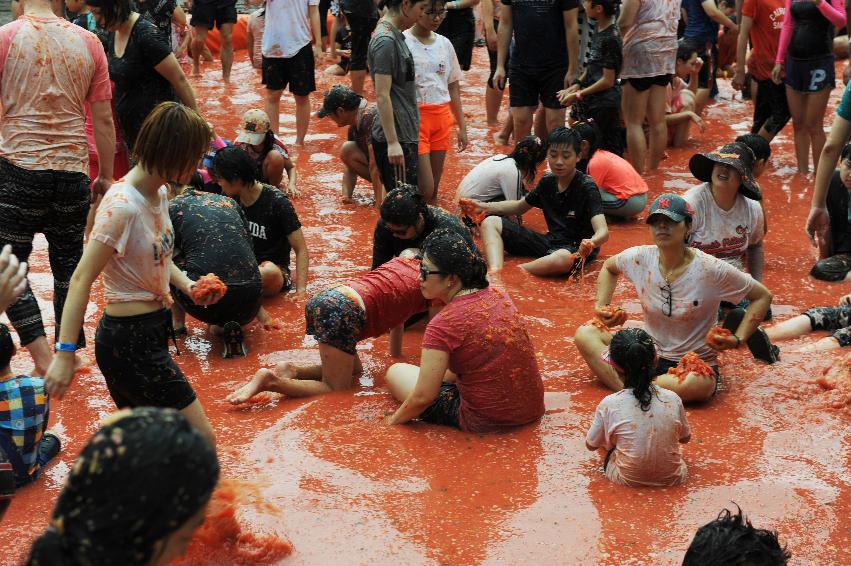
(479, 371)
(341, 316)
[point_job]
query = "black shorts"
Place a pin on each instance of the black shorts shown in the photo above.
(444, 409)
(297, 72)
(527, 87)
(492, 59)
(663, 366)
(644, 83)
(213, 13)
(240, 304)
(335, 319)
(836, 319)
(771, 109)
(833, 268)
(361, 29)
(459, 27)
(132, 354)
(521, 241)
(811, 75)
(388, 172)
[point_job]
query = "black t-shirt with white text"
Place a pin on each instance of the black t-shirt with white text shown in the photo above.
(568, 213)
(271, 219)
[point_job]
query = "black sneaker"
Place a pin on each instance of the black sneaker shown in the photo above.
(48, 448)
(760, 346)
(234, 345)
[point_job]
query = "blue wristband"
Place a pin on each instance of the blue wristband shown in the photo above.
(65, 347)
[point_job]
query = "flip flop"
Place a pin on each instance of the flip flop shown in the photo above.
(759, 344)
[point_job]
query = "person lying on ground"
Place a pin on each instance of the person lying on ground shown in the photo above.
(406, 221)
(272, 157)
(347, 108)
(622, 190)
(572, 209)
(478, 370)
(272, 220)
(641, 426)
(832, 319)
(100, 517)
(24, 408)
(368, 306)
(680, 289)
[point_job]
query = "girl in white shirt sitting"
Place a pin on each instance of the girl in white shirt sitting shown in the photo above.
(438, 77)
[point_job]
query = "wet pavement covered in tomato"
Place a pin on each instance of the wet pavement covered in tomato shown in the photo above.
(327, 476)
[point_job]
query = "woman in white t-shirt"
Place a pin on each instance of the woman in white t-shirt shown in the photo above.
(680, 289)
(505, 177)
(438, 80)
(642, 426)
(131, 244)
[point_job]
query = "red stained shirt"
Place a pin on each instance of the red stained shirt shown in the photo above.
(767, 18)
(490, 351)
(391, 294)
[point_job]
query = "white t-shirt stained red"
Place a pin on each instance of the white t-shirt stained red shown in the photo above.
(287, 28)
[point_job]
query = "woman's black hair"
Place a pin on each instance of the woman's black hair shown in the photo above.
(686, 47)
(403, 206)
(528, 154)
(140, 478)
(113, 12)
(757, 144)
(634, 351)
(846, 153)
(588, 132)
(453, 254)
(234, 164)
(565, 137)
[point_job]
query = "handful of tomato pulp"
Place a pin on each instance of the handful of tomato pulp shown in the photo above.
(207, 286)
(717, 337)
(691, 363)
(470, 208)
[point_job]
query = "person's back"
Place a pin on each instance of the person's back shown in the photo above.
(699, 26)
(491, 352)
(496, 178)
(48, 68)
(645, 444)
(615, 175)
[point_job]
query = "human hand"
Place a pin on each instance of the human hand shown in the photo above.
(59, 374)
(776, 72)
(99, 187)
(396, 157)
(567, 96)
(208, 290)
(499, 78)
(317, 53)
(739, 79)
(611, 316)
(694, 117)
(818, 223)
(462, 139)
(570, 77)
(697, 65)
(719, 339)
(13, 277)
(491, 38)
(585, 248)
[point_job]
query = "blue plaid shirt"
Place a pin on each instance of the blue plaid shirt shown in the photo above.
(23, 416)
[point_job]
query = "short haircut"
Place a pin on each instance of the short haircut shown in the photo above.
(609, 6)
(731, 540)
(403, 206)
(565, 137)
(758, 144)
(846, 152)
(7, 347)
(233, 164)
(113, 12)
(172, 140)
(686, 48)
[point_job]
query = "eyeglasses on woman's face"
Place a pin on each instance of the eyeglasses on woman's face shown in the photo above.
(425, 272)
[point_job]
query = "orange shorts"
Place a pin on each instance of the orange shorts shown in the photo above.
(436, 121)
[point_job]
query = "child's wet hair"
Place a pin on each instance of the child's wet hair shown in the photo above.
(528, 154)
(686, 48)
(846, 153)
(634, 351)
(588, 132)
(757, 144)
(564, 137)
(453, 254)
(234, 164)
(403, 205)
(732, 539)
(7, 347)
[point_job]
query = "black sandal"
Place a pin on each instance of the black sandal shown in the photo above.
(234, 345)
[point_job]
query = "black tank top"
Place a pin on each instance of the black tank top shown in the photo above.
(813, 34)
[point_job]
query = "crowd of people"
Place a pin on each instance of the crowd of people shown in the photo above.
(171, 201)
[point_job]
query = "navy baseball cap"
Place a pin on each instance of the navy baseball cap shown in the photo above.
(673, 206)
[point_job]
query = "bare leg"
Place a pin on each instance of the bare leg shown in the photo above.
(540, 123)
(557, 263)
(826, 343)
(436, 159)
(272, 278)
(358, 78)
(272, 108)
(591, 341)
(634, 106)
(41, 354)
(196, 416)
(226, 33)
(273, 169)
(793, 328)
(491, 229)
(692, 388)
(658, 129)
(798, 108)
(502, 136)
(355, 159)
(493, 102)
(425, 180)
(302, 117)
(522, 116)
(701, 99)
(816, 106)
(554, 119)
(199, 37)
(178, 317)
(681, 131)
(401, 380)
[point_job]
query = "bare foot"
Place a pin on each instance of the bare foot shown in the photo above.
(196, 72)
(261, 381)
(500, 139)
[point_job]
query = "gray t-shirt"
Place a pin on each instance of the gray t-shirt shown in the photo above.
(389, 55)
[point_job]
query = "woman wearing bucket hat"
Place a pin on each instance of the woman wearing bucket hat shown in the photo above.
(256, 138)
(728, 221)
(680, 289)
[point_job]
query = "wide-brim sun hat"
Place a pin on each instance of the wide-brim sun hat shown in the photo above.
(738, 156)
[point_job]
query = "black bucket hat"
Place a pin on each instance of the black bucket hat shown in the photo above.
(738, 156)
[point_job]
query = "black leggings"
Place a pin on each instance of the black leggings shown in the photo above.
(56, 204)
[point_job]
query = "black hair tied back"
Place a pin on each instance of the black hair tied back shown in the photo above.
(634, 351)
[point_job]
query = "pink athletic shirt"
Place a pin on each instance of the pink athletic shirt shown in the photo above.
(49, 68)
